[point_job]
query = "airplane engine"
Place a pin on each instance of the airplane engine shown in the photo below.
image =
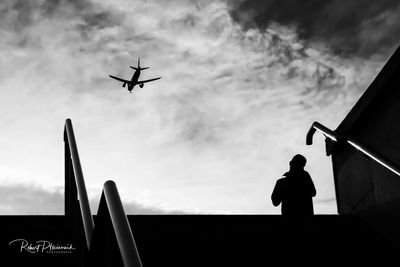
(141, 85)
(123, 85)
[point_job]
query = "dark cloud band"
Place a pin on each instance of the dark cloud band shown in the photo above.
(348, 27)
(31, 200)
(18, 15)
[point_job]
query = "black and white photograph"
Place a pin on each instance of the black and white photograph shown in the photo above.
(204, 133)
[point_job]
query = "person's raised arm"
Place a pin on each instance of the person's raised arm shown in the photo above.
(276, 196)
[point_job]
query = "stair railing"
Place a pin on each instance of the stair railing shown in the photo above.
(388, 164)
(75, 189)
(113, 238)
(111, 220)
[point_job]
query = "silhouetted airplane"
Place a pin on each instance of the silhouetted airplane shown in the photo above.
(135, 78)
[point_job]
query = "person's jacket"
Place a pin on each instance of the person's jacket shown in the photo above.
(294, 192)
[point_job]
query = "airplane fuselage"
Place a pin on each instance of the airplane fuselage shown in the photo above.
(134, 79)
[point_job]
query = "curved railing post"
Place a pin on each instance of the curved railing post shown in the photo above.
(111, 206)
(75, 188)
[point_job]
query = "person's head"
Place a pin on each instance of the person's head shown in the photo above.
(298, 162)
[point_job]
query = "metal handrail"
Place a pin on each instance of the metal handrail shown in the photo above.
(316, 126)
(111, 201)
(79, 182)
(388, 164)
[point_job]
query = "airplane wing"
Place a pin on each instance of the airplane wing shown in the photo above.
(119, 79)
(146, 81)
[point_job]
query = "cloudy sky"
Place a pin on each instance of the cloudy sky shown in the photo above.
(242, 82)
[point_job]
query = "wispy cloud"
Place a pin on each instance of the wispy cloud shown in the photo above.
(232, 107)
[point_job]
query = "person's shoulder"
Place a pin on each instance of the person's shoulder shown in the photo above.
(281, 180)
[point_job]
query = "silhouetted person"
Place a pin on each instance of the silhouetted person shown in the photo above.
(296, 190)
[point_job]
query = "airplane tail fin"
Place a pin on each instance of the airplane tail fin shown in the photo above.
(138, 66)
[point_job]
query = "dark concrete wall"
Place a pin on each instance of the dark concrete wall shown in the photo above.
(207, 241)
(363, 185)
(257, 240)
